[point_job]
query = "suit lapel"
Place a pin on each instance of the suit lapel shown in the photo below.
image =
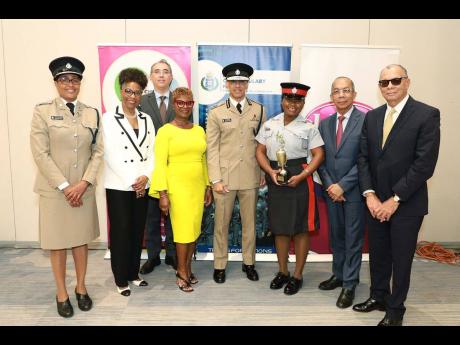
(406, 113)
(128, 130)
(170, 111)
(351, 124)
(332, 130)
(380, 116)
(156, 111)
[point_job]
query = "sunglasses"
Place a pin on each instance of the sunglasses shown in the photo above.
(182, 104)
(394, 82)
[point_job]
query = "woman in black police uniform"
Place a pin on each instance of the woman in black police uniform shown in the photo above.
(129, 136)
(291, 207)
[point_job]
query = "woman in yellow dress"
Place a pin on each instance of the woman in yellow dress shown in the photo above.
(180, 180)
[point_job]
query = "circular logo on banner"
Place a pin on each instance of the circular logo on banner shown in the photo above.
(325, 110)
(211, 82)
(142, 59)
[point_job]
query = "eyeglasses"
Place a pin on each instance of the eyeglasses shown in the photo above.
(182, 104)
(68, 81)
(130, 92)
(394, 81)
(345, 91)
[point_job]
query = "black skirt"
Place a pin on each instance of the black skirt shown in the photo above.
(292, 211)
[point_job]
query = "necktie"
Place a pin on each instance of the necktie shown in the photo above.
(339, 130)
(238, 107)
(71, 106)
(387, 125)
(163, 109)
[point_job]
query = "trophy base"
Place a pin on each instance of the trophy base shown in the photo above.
(282, 180)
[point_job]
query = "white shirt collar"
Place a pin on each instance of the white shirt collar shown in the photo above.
(399, 107)
(158, 95)
(65, 102)
(234, 103)
(348, 113)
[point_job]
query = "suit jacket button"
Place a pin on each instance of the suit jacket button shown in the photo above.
(132, 160)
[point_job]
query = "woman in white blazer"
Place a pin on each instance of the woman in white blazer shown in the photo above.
(129, 161)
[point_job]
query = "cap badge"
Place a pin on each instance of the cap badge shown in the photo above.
(68, 65)
(237, 72)
(294, 90)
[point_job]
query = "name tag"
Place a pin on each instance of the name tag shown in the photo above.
(267, 129)
(57, 117)
(226, 120)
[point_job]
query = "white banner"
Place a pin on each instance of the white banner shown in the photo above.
(321, 64)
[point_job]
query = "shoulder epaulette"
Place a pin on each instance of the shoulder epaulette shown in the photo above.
(252, 101)
(218, 105)
(44, 103)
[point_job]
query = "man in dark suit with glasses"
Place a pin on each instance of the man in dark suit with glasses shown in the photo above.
(398, 154)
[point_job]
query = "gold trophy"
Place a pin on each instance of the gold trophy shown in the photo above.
(282, 176)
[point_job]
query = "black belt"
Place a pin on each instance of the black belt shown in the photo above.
(293, 162)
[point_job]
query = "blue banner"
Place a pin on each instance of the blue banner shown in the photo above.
(272, 66)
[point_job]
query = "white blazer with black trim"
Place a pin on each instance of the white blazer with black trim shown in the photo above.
(126, 157)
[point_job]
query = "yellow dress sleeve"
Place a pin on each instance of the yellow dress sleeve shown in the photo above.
(204, 161)
(159, 180)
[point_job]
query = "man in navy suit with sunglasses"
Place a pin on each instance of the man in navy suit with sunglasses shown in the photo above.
(398, 154)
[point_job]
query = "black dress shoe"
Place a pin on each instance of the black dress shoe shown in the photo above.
(293, 286)
(85, 302)
(369, 305)
(251, 272)
(346, 298)
(64, 309)
(149, 265)
(330, 284)
(387, 321)
(171, 261)
(279, 281)
(219, 276)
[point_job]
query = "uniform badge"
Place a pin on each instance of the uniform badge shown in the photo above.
(57, 117)
(254, 118)
(237, 72)
(226, 120)
(294, 90)
(68, 65)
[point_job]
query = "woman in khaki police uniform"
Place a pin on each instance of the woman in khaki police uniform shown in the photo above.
(67, 147)
(291, 207)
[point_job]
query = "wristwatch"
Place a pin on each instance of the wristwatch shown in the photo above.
(396, 198)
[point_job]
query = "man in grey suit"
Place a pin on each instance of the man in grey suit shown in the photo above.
(158, 104)
(339, 173)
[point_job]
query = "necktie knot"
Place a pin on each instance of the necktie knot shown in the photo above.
(341, 118)
(71, 107)
(238, 107)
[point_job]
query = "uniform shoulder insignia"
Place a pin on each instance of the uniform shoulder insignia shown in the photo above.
(44, 103)
(217, 105)
(252, 101)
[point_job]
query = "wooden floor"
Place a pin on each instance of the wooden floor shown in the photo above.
(27, 296)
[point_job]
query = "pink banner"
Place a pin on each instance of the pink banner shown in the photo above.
(112, 59)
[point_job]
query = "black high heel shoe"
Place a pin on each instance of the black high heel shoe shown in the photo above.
(64, 309)
(85, 302)
(183, 284)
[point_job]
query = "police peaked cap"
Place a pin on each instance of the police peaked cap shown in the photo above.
(237, 71)
(294, 89)
(66, 64)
